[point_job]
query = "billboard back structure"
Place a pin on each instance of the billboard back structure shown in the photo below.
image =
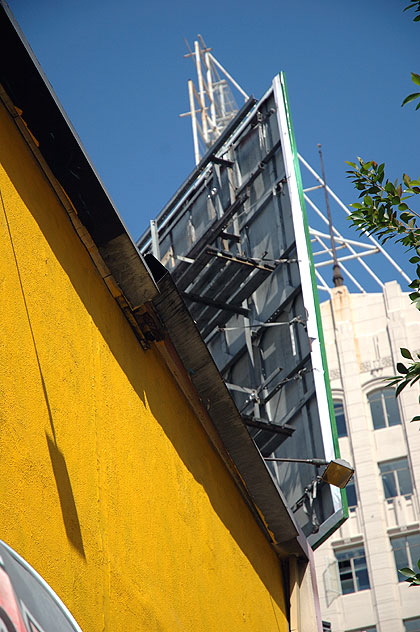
(235, 239)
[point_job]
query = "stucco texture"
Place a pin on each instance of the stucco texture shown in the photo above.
(109, 486)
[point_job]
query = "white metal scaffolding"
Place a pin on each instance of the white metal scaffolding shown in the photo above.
(212, 107)
(212, 104)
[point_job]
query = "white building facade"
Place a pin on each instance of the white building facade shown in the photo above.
(360, 588)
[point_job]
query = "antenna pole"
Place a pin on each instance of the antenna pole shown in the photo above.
(212, 103)
(194, 121)
(337, 276)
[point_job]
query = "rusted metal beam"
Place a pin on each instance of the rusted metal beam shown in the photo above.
(255, 422)
(240, 259)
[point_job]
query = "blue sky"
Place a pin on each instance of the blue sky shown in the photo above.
(119, 70)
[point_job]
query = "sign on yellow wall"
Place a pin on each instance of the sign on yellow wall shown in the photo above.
(27, 603)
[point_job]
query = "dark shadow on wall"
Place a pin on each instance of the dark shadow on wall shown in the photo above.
(65, 494)
(185, 438)
(68, 507)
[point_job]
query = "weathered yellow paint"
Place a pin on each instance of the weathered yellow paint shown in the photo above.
(109, 485)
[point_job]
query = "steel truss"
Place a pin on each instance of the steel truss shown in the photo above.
(212, 107)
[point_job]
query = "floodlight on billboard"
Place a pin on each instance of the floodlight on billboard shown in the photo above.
(235, 238)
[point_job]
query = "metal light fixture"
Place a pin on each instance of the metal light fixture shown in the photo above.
(338, 471)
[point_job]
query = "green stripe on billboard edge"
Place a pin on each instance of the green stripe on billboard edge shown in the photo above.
(315, 289)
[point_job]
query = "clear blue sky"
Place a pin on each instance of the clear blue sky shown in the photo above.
(119, 71)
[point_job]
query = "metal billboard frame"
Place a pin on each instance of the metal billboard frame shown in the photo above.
(251, 174)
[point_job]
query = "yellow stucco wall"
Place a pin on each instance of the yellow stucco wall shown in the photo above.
(109, 486)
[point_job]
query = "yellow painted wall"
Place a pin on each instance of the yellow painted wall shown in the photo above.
(109, 486)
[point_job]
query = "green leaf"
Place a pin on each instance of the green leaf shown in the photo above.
(416, 379)
(395, 382)
(410, 97)
(417, 18)
(415, 78)
(416, 419)
(406, 353)
(405, 217)
(407, 572)
(406, 179)
(401, 368)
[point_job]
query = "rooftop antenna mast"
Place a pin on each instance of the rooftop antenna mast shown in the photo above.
(212, 104)
(337, 276)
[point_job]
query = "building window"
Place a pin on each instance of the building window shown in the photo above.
(351, 494)
(406, 552)
(412, 625)
(353, 570)
(396, 478)
(340, 418)
(384, 408)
